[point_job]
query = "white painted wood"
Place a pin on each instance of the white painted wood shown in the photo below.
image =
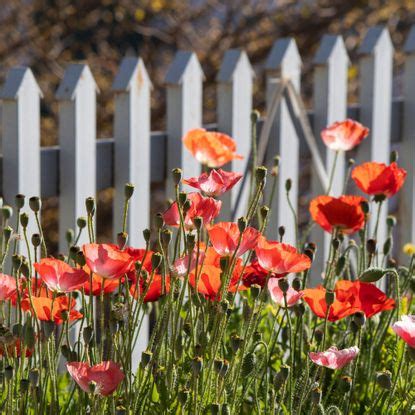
(330, 105)
(77, 139)
(132, 87)
(234, 107)
(184, 81)
(375, 66)
(283, 62)
(21, 138)
(406, 220)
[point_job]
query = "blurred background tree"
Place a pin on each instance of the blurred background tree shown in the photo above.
(47, 34)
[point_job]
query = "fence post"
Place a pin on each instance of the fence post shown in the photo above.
(234, 91)
(21, 138)
(184, 112)
(375, 65)
(330, 105)
(406, 225)
(283, 62)
(77, 140)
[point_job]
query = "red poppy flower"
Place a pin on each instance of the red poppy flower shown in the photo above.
(225, 236)
(205, 207)
(59, 276)
(344, 213)
(255, 274)
(48, 309)
(350, 297)
(280, 259)
(378, 178)
(292, 296)
(7, 287)
(344, 135)
(106, 376)
(215, 183)
(107, 260)
(155, 291)
(211, 148)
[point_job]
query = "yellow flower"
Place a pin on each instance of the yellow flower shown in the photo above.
(409, 249)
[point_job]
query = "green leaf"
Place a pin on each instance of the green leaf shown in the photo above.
(373, 274)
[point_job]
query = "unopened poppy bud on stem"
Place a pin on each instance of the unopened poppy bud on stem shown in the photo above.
(371, 246)
(260, 174)
(384, 379)
(198, 222)
(73, 251)
(24, 220)
(19, 201)
(166, 236)
(190, 241)
(90, 206)
(7, 233)
(387, 246)
(80, 258)
(296, 284)
(182, 198)
(236, 342)
(35, 203)
(7, 212)
(264, 211)
(365, 206)
(156, 260)
(288, 185)
(87, 334)
(359, 319)
(81, 222)
(242, 224)
(255, 291)
(318, 334)
(146, 235)
(177, 176)
(283, 285)
(128, 191)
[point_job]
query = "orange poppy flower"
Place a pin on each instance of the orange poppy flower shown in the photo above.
(225, 236)
(280, 259)
(215, 183)
(379, 179)
(344, 213)
(107, 260)
(205, 207)
(211, 148)
(350, 297)
(155, 291)
(59, 276)
(48, 309)
(344, 135)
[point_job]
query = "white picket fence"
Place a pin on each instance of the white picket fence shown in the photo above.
(81, 165)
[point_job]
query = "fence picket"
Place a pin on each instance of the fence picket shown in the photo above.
(77, 140)
(283, 62)
(330, 105)
(234, 90)
(21, 137)
(184, 112)
(375, 66)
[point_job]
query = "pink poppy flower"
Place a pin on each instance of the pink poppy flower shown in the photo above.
(405, 329)
(7, 287)
(215, 183)
(107, 260)
(224, 237)
(59, 276)
(344, 135)
(293, 296)
(181, 265)
(106, 376)
(334, 358)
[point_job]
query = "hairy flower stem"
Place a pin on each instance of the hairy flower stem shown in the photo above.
(333, 169)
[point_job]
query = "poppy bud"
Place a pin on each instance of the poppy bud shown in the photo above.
(69, 237)
(7, 233)
(242, 223)
(225, 368)
(90, 205)
(122, 238)
(345, 384)
(8, 372)
(283, 285)
(248, 364)
(316, 395)
(166, 236)
(264, 211)
(182, 198)
(24, 268)
(198, 222)
(281, 231)
(80, 258)
(19, 201)
(197, 365)
(218, 364)
(387, 246)
(158, 221)
(186, 206)
(255, 291)
(330, 297)
(146, 358)
(318, 334)
(308, 252)
(156, 260)
(371, 246)
(335, 243)
(226, 410)
(281, 377)
(24, 220)
(288, 185)
(384, 379)
(275, 166)
(24, 385)
(177, 176)
(7, 212)
(48, 328)
(260, 174)
(128, 191)
(391, 221)
(81, 222)
(16, 261)
(359, 319)
(312, 246)
(35, 203)
(73, 250)
(146, 235)
(394, 156)
(365, 207)
(236, 342)
(87, 334)
(183, 396)
(34, 377)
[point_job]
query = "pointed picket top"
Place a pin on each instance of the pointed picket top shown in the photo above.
(72, 78)
(183, 63)
(15, 80)
(131, 68)
(331, 48)
(284, 55)
(409, 46)
(233, 60)
(377, 37)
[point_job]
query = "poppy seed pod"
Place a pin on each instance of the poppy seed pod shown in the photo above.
(166, 236)
(264, 211)
(351, 162)
(80, 258)
(359, 319)
(197, 365)
(146, 358)
(17, 261)
(371, 246)
(35, 203)
(48, 328)
(186, 206)
(225, 368)
(182, 198)
(308, 252)
(217, 365)
(73, 250)
(255, 291)
(288, 185)
(283, 285)
(391, 221)
(128, 191)
(90, 206)
(24, 220)
(156, 260)
(281, 231)
(81, 222)
(24, 268)
(177, 176)
(384, 379)
(19, 201)
(7, 233)
(318, 335)
(365, 206)
(260, 174)
(275, 166)
(7, 212)
(387, 246)
(190, 241)
(146, 235)
(198, 222)
(242, 224)
(236, 342)
(8, 372)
